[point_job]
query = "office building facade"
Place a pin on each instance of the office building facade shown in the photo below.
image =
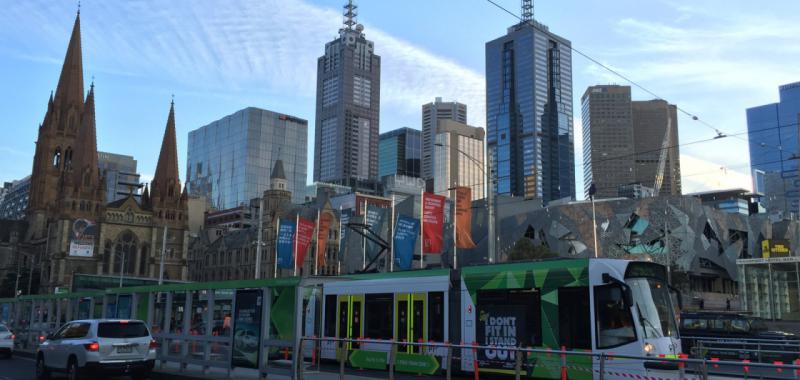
(458, 158)
(655, 125)
(399, 152)
(120, 175)
(529, 113)
(230, 160)
(431, 114)
(15, 199)
(348, 108)
(773, 135)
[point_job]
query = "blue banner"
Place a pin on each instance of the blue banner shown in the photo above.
(376, 219)
(405, 240)
(286, 244)
(345, 215)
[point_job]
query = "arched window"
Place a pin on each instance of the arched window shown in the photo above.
(57, 158)
(143, 261)
(68, 158)
(125, 253)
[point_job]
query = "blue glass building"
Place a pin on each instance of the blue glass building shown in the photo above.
(529, 113)
(773, 139)
(400, 152)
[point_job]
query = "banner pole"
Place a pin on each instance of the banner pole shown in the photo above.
(455, 228)
(316, 248)
(391, 238)
(364, 239)
(422, 229)
(341, 242)
(277, 234)
(296, 235)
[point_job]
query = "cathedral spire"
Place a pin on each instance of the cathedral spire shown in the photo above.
(166, 182)
(70, 84)
(85, 161)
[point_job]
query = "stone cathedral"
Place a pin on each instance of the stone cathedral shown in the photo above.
(72, 228)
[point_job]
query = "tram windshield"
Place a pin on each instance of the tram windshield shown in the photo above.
(652, 301)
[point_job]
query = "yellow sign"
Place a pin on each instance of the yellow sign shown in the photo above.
(775, 248)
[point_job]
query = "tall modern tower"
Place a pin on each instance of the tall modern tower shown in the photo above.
(432, 113)
(655, 126)
(773, 135)
(399, 152)
(529, 111)
(348, 107)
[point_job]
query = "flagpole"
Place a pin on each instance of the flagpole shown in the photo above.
(341, 241)
(316, 248)
(422, 229)
(391, 239)
(364, 239)
(277, 234)
(296, 234)
(455, 228)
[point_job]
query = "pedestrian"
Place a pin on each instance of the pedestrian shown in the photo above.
(728, 304)
(702, 303)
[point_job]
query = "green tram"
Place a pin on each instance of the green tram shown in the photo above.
(592, 305)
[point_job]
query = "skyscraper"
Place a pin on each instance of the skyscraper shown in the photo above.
(399, 152)
(458, 158)
(529, 112)
(431, 114)
(655, 126)
(773, 134)
(230, 159)
(608, 160)
(120, 175)
(348, 107)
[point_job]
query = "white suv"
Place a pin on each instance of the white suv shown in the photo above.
(98, 346)
(6, 341)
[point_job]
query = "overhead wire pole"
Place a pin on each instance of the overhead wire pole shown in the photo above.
(258, 240)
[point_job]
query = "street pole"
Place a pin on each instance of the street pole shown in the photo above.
(16, 283)
(666, 244)
(296, 232)
(455, 228)
(316, 246)
(277, 234)
(492, 218)
(594, 228)
(422, 229)
(364, 238)
(163, 255)
(122, 268)
(391, 238)
(258, 240)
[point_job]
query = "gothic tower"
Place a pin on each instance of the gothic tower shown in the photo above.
(166, 199)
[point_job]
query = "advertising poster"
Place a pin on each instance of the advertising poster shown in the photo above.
(376, 218)
(246, 329)
(285, 244)
(322, 237)
(305, 232)
(433, 222)
(81, 238)
(464, 218)
(500, 326)
(405, 240)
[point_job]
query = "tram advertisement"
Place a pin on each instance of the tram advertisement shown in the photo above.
(246, 329)
(499, 326)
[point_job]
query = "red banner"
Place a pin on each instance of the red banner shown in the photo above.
(322, 237)
(432, 222)
(464, 218)
(305, 232)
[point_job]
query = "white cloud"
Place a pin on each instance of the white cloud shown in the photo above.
(702, 175)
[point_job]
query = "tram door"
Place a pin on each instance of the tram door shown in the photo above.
(411, 320)
(349, 322)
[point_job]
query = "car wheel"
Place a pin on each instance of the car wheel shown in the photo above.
(41, 370)
(72, 370)
(141, 375)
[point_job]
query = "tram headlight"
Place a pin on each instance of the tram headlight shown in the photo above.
(648, 348)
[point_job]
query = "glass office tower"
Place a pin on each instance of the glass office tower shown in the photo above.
(399, 152)
(773, 138)
(529, 113)
(230, 160)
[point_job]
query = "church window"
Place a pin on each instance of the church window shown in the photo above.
(143, 261)
(57, 158)
(68, 158)
(125, 253)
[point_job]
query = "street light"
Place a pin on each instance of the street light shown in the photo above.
(489, 199)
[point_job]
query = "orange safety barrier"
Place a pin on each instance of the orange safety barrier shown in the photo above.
(746, 367)
(475, 360)
(778, 363)
(682, 364)
(797, 371)
(563, 363)
(713, 360)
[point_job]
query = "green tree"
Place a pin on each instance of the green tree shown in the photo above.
(524, 250)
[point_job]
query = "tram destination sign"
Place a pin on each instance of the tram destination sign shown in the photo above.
(771, 260)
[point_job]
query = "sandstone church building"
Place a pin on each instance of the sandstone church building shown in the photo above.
(71, 227)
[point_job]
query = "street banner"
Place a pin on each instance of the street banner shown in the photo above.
(285, 244)
(343, 234)
(376, 219)
(464, 218)
(247, 329)
(322, 237)
(405, 240)
(82, 238)
(305, 232)
(433, 222)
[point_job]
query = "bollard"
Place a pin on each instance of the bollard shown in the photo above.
(518, 363)
(449, 360)
(392, 358)
(342, 359)
(602, 366)
(563, 363)
(475, 360)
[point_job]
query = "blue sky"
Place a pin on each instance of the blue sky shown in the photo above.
(713, 58)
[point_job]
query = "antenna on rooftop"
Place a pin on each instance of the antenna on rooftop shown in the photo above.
(527, 10)
(350, 14)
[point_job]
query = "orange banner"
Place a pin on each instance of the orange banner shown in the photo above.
(464, 218)
(322, 237)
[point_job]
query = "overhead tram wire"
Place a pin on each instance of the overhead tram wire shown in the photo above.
(720, 133)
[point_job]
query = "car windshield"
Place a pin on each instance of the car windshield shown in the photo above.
(122, 330)
(654, 305)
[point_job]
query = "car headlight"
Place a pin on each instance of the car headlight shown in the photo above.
(648, 348)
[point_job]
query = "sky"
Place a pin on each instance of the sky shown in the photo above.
(712, 58)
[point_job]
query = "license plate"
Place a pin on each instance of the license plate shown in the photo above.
(124, 349)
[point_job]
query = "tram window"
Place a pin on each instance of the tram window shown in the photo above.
(574, 318)
(614, 320)
(740, 325)
(330, 315)
(509, 317)
(379, 315)
(436, 316)
(694, 324)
